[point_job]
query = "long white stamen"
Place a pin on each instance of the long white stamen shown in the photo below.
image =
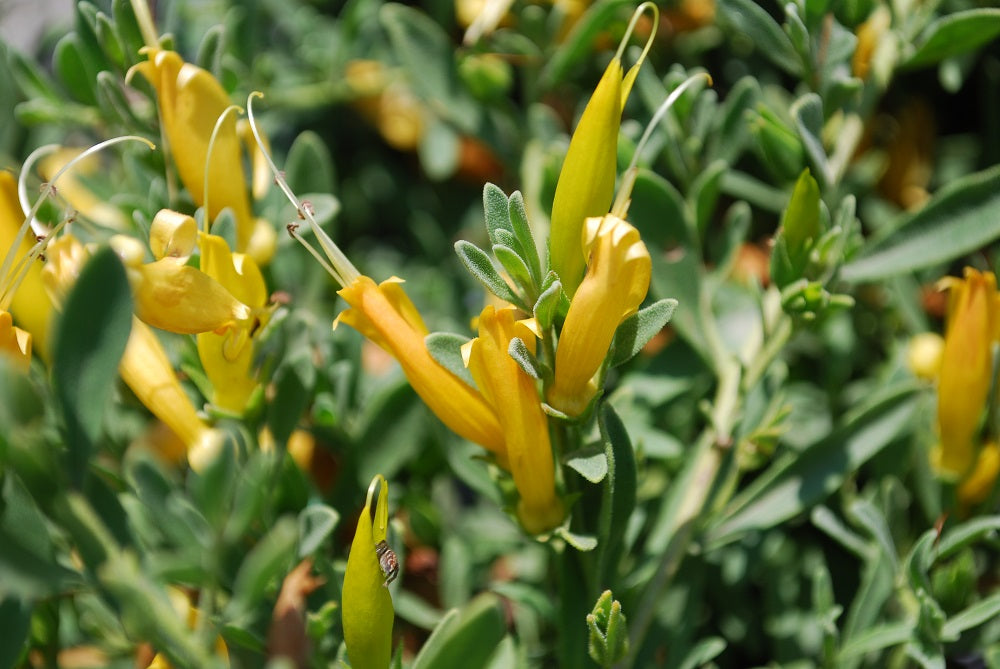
(47, 190)
(208, 156)
(23, 266)
(620, 207)
(312, 250)
(344, 272)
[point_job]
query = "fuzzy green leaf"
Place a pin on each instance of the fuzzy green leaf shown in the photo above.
(309, 167)
(619, 488)
(263, 567)
(525, 359)
(954, 35)
(808, 114)
(749, 18)
(516, 268)
(593, 466)
(962, 217)
(480, 266)
(636, 330)
(522, 231)
(90, 339)
(495, 206)
(316, 523)
(548, 303)
(446, 349)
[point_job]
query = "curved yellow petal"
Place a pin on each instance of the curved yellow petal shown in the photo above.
(191, 100)
(179, 298)
(368, 613)
(514, 397)
(15, 343)
(616, 283)
(385, 315)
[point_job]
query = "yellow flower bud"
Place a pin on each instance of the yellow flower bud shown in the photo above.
(923, 355)
(513, 394)
(384, 314)
(587, 180)
(616, 283)
(966, 367)
(367, 606)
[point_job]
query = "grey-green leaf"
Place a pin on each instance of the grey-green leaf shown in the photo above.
(796, 482)
(749, 18)
(954, 35)
(636, 330)
(446, 349)
(465, 637)
(525, 359)
(592, 466)
(90, 339)
(480, 266)
(962, 217)
(316, 523)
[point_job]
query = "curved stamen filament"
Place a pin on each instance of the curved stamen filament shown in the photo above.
(339, 267)
(48, 189)
(620, 207)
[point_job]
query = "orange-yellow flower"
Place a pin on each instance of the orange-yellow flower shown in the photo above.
(15, 343)
(966, 368)
(616, 283)
(191, 101)
(513, 394)
(384, 314)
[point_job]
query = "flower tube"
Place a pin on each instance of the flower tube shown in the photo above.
(966, 371)
(616, 283)
(513, 394)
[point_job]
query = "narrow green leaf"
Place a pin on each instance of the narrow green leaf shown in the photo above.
(316, 523)
(705, 192)
(877, 638)
(33, 81)
(957, 538)
(752, 20)
(495, 207)
(108, 39)
(90, 339)
(466, 637)
(210, 50)
(522, 231)
(977, 614)
(69, 63)
(446, 349)
(309, 167)
(112, 101)
(796, 482)
(439, 150)
(703, 653)
(808, 114)
(526, 360)
(15, 623)
(516, 268)
(549, 302)
(636, 330)
(480, 266)
(619, 489)
(731, 131)
(955, 34)
(263, 567)
(960, 218)
(127, 28)
(581, 542)
(580, 41)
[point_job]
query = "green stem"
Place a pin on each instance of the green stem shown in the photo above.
(146, 25)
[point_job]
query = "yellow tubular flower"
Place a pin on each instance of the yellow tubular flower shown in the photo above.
(170, 294)
(514, 396)
(587, 180)
(367, 606)
(384, 314)
(190, 102)
(146, 369)
(15, 343)
(616, 283)
(966, 368)
(228, 358)
(30, 305)
(75, 191)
